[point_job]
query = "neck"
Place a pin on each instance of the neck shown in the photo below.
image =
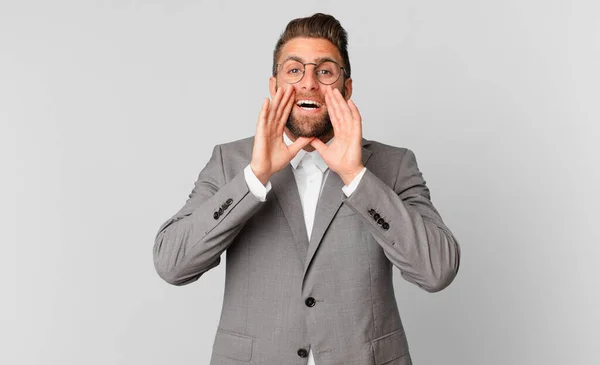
(324, 138)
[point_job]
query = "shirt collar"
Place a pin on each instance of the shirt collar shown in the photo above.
(302, 153)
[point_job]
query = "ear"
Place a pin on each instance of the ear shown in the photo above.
(348, 88)
(272, 86)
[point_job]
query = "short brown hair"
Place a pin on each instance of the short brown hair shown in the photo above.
(318, 25)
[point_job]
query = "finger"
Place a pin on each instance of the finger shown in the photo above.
(286, 112)
(319, 146)
(299, 144)
(332, 115)
(354, 110)
(338, 125)
(355, 113)
(262, 116)
(331, 109)
(344, 110)
(287, 96)
(275, 104)
(338, 106)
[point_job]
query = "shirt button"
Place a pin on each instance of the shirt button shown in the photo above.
(302, 353)
(310, 302)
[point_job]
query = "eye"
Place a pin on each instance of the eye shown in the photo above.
(294, 71)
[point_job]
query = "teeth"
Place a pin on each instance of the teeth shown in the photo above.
(308, 102)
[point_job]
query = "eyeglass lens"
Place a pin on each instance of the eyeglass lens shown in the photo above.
(327, 72)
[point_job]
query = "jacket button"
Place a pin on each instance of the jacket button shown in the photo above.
(371, 212)
(302, 353)
(220, 211)
(385, 226)
(380, 221)
(229, 201)
(216, 215)
(310, 302)
(376, 216)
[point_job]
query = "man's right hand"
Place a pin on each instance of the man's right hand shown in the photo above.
(270, 153)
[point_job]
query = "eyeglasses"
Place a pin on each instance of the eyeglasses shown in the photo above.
(327, 72)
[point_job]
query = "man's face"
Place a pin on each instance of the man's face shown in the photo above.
(311, 121)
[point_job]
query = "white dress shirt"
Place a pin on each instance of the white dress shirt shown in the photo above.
(310, 172)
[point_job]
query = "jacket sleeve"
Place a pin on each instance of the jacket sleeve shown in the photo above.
(405, 223)
(192, 241)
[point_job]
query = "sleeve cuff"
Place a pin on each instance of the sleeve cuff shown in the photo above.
(349, 189)
(255, 186)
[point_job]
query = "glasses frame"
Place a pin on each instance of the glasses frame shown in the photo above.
(315, 70)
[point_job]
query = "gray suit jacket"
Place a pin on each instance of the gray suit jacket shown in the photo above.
(285, 295)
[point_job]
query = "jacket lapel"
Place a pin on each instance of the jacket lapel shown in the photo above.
(286, 193)
(327, 206)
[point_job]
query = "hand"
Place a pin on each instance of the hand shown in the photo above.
(344, 154)
(270, 153)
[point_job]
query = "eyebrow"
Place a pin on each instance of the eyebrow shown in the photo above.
(317, 61)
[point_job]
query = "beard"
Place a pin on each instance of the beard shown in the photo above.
(316, 126)
(302, 126)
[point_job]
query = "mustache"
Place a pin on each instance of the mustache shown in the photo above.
(315, 97)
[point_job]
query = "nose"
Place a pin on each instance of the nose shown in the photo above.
(309, 80)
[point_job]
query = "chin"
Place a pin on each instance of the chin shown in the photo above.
(312, 130)
(309, 127)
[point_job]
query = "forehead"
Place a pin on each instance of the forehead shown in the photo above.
(310, 49)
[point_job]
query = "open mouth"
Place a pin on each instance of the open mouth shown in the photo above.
(308, 104)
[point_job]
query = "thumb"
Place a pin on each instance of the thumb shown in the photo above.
(299, 144)
(319, 146)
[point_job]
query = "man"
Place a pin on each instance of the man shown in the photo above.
(312, 217)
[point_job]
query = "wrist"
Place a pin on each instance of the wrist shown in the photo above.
(348, 177)
(262, 176)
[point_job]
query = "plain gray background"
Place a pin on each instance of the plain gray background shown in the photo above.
(109, 110)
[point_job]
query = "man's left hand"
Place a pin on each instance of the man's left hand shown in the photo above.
(344, 154)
